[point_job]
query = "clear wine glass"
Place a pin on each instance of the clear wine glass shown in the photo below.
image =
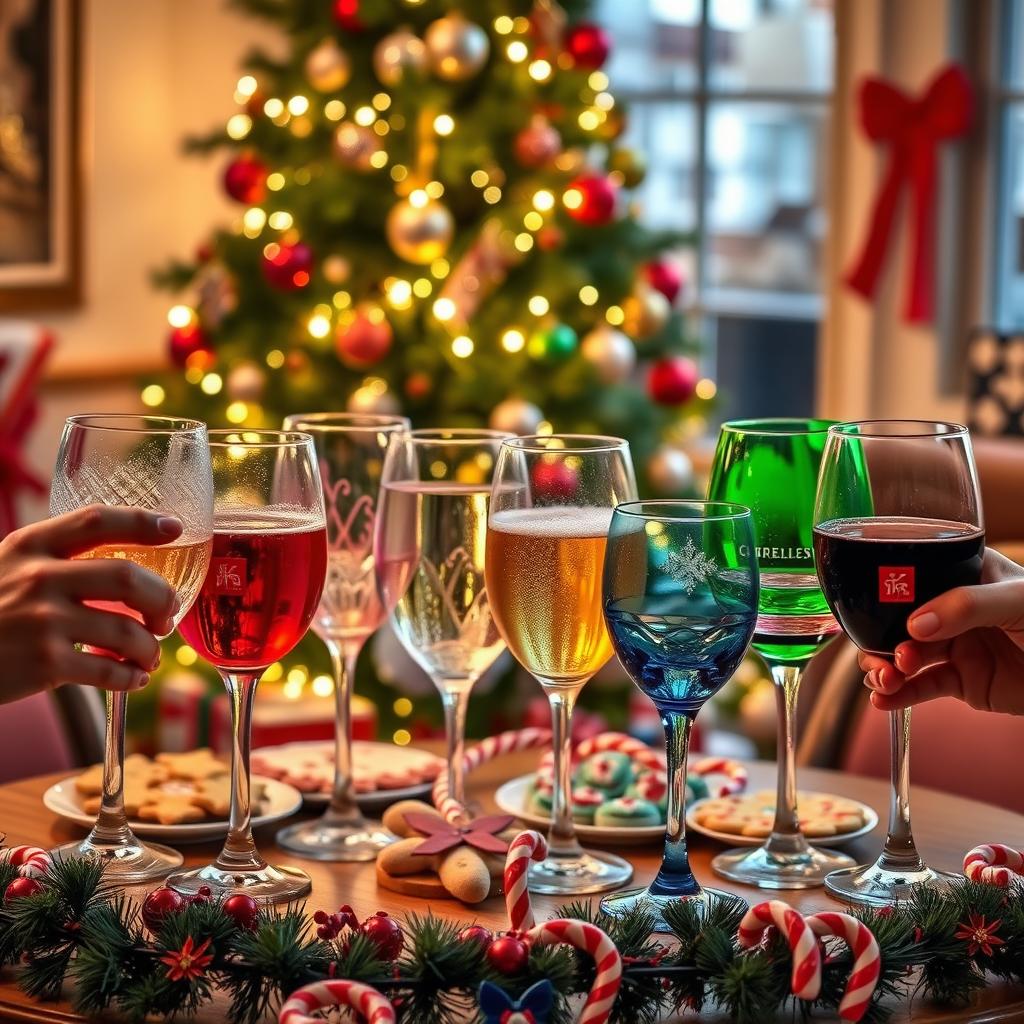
(162, 464)
(431, 538)
(771, 466)
(551, 505)
(897, 521)
(350, 449)
(680, 601)
(266, 575)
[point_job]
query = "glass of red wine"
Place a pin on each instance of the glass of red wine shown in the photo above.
(897, 521)
(266, 575)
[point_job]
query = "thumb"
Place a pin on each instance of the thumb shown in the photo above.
(996, 605)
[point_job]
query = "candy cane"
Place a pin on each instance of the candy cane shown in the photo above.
(993, 863)
(806, 978)
(867, 959)
(31, 861)
(732, 770)
(364, 999)
(607, 960)
(486, 750)
(525, 847)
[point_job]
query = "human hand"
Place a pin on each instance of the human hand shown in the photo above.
(967, 643)
(43, 595)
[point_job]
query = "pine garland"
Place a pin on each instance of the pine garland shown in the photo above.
(941, 947)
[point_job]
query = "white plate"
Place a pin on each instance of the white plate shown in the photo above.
(730, 838)
(279, 801)
(511, 798)
(378, 800)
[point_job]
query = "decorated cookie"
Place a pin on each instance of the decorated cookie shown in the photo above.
(585, 802)
(651, 786)
(627, 812)
(539, 802)
(608, 771)
(138, 770)
(696, 788)
(195, 765)
(752, 814)
(171, 810)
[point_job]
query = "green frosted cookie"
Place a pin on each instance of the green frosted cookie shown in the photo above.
(651, 786)
(627, 812)
(696, 788)
(585, 802)
(539, 802)
(608, 771)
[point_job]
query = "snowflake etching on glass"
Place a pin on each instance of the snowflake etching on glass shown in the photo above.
(690, 566)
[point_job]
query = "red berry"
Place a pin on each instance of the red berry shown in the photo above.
(159, 905)
(508, 954)
(22, 887)
(477, 933)
(385, 933)
(242, 909)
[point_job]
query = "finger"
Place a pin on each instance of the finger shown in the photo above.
(106, 673)
(888, 679)
(940, 681)
(76, 532)
(911, 657)
(871, 662)
(999, 605)
(118, 579)
(996, 567)
(117, 634)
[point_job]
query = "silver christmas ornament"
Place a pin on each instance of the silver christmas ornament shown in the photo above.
(516, 416)
(398, 53)
(610, 352)
(457, 48)
(670, 471)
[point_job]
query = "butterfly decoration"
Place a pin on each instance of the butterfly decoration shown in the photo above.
(533, 1007)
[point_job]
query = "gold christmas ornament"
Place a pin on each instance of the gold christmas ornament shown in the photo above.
(670, 471)
(245, 382)
(457, 48)
(516, 416)
(610, 352)
(373, 397)
(419, 232)
(355, 145)
(328, 67)
(398, 53)
(646, 312)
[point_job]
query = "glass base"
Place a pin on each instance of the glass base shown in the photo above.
(876, 886)
(621, 903)
(804, 869)
(575, 875)
(267, 884)
(124, 863)
(323, 840)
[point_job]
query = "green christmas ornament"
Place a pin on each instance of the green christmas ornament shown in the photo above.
(553, 344)
(629, 164)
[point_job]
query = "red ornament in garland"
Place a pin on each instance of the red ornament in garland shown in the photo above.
(22, 887)
(245, 179)
(242, 909)
(508, 954)
(346, 15)
(673, 380)
(666, 277)
(185, 342)
(588, 44)
(159, 905)
(554, 481)
(477, 933)
(189, 962)
(287, 265)
(590, 199)
(364, 340)
(203, 895)
(385, 933)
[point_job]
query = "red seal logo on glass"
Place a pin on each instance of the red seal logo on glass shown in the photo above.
(895, 584)
(228, 575)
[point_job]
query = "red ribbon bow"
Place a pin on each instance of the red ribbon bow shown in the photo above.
(442, 835)
(912, 128)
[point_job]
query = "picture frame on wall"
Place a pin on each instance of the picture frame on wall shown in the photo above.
(40, 173)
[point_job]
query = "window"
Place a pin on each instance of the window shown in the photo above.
(729, 100)
(1009, 292)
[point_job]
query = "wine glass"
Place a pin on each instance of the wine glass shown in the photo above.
(551, 505)
(350, 450)
(897, 521)
(771, 466)
(431, 538)
(680, 601)
(162, 464)
(265, 579)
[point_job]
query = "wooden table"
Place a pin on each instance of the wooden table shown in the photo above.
(945, 826)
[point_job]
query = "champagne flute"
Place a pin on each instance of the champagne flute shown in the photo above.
(265, 579)
(771, 466)
(162, 464)
(350, 451)
(680, 601)
(431, 538)
(897, 521)
(551, 505)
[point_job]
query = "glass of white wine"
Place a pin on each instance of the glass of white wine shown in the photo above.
(161, 464)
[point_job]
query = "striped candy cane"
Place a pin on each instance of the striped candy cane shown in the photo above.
(373, 1007)
(486, 750)
(806, 977)
(590, 939)
(525, 847)
(867, 959)
(734, 772)
(993, 863)
(31, 861)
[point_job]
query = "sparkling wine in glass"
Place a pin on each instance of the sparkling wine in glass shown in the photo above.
(680, 600)
(771, 466)
(266, 575)
(350, 449)
(430, 543)
(551, 505)
(897, 521)
(161, 464)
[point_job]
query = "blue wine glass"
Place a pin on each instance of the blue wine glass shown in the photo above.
(680, 602)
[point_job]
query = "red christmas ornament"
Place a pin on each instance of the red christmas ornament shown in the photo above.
(418, 385)
(245, 179)
(185, 342)
(538, 143)
(673, 380)
(666, 277)
(203, 895)
(508, 954)
(385, 933)
(287, 265)
(554, 481)
(477, 933)
(365, 340)
(242, 909)
(590, 199)
(159, 905)
(588, 44)
(346, 14)
(549, 237)
(22, 887)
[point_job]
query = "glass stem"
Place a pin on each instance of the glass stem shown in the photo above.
(456, 702)
(562, 840)
(111, 828)
(786, 837)
(674, 877)
(899, 853)
(239, 851)
(343, 809)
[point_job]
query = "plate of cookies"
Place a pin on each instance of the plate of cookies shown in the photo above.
(746, 819)
(178, 798)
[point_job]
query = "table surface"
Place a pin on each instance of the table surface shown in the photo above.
(945, 827)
